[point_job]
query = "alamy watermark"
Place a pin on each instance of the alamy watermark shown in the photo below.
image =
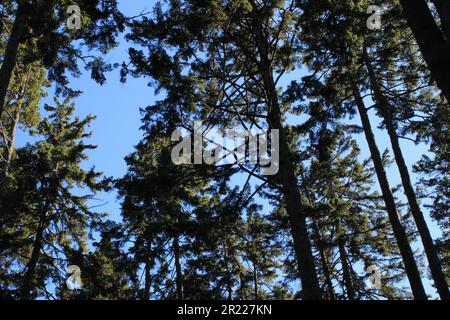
(374, 281)
(74, 281)
(74, 20)
(229, 146)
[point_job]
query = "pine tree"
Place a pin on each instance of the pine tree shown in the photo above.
(45, 218)
(432, 40)
(342, 69)
(44, 23)
(159, 201)
(21, 106)
(239, 47)
(105, 270)
(339, 187)
(434, 183)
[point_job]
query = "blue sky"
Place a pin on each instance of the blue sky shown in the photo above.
(116, 128)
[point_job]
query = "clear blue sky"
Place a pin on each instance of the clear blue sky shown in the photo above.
(116, 129)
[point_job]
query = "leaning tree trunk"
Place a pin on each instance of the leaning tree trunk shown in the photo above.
(12, 141)
(294, 206)
(2, 21)
(11, 136)
(411, 268)
(434, 48)
(10, 57)
(27, 284)
(427, 241)
(443, 9)
(9, 141)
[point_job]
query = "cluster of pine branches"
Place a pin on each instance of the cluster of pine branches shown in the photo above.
(312, 70)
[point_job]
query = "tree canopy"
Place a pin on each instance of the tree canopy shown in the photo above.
(318, 83)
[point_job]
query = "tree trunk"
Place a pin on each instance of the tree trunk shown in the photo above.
(10, 57)
(427, 240)
(434, 48)
(149, 262)
(323, 260)
(294, 206)
(10, 138)
(411, 268)
(443, 9)
(228, 272)
(148, 280)
(255, 280)
(346, 271)
(12, 142)
(179, 273)
(27, 285)
(2, 26)
(321, 245)
(10, 148)
(242, 284)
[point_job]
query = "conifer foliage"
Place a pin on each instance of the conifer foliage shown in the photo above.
(340, 218)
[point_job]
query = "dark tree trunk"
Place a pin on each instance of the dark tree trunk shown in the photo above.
(294, 206)
(9, 141)
(148, 280)
(411, 268)
(242, 284)
(227, 270)
(10, 138)
(349, 288)
(179, 272)
(434, 48)
(255, 280)
(2, 21)
(10, 57)
(149, 262)
(323, 260)
(443, 9)
(12, 142)
(27, 285)
(427, 240)
(10, 148)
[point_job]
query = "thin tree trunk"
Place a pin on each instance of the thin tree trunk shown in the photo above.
(179, 273)
(10, 57)
(323, 260)
(148, 268)
(443, 9)
(294, 206)
(434, 48)
(241, 278)
(12, 141)
(227, 270)
(255, 280)
(242, 284)
(10, 138)
(411, 268)
(351, 295)
(148, 280)
(27, 285)
(320, 246)
(2, 21)
(427, 241)
(10, 148)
